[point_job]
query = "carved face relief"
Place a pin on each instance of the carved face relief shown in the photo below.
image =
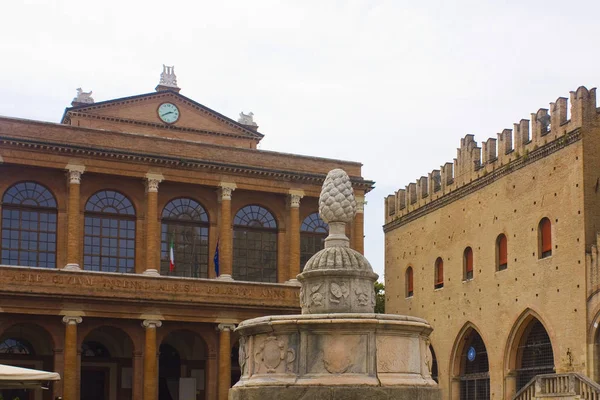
(316, 297)
(361, 297)
(338, 292)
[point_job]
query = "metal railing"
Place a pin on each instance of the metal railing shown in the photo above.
(571, 384)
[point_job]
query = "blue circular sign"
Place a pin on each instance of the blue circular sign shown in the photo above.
(471, 353)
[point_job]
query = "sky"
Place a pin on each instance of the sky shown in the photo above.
(392, 84)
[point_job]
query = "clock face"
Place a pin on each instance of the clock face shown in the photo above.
(168, 112)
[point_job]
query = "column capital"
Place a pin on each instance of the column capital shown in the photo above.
(226, 327)
(225, 190)
(360, 204)
(295, 196)
(75, 172)
(152, 323)
(71, 320)
(152, 181)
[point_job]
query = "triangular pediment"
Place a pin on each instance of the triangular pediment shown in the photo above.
(142, 110)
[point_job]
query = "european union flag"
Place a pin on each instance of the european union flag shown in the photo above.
(216, 259)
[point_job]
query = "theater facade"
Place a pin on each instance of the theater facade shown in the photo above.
(136, 234)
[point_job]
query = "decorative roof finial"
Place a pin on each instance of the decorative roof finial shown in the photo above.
(168, 80)
(247, 119)
(82, 98)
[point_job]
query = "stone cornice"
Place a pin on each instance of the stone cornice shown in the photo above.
(170, 161)
(485, 180)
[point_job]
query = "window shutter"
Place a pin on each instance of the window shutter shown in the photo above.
(502, 251)
(546, 235)
(440, 272)
(469, 260)
(410, 281)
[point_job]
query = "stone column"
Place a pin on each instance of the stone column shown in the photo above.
(358, 234)
(225, 232)
(294, 235)
(151, 360)
(70, 371)
(224, 377)
(510, 385)
(152, 228)
(73, 218)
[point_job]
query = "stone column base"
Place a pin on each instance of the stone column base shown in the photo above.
(151, 272)
(334, 393)
(71, 267)
(224, 277)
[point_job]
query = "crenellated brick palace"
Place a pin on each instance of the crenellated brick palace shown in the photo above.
(498, 251)
(111, 221)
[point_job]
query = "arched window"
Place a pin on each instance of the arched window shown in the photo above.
(16, 346)
(254, 245)
(94, 349)
(433, 365)
(109, 238)
(409, 282)
(439, 273)
(534, 353)
(29, 226)
(474, 369)
(501, 252)
(185, 230)
(312, 237)
(545, 238)
(468, 264)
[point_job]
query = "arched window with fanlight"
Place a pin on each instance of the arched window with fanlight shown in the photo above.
(439, 273)
(545, 238)
(185, 232)
(109, 236)
(254, 245)
(313, 233)
(29, 226)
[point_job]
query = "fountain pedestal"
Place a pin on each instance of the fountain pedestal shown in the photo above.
(337, 348)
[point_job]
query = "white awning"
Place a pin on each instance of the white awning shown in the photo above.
(17, 377)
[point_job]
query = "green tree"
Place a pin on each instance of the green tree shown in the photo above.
(379, 298)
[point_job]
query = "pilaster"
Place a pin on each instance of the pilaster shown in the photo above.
(150, 359)
(224, 377)
(74, 173)
(294, 235)
(152, 232)
(71, 370)
(225, 241)
(358, 234)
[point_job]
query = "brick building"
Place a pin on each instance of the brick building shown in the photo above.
(498, 251)
(110, 225)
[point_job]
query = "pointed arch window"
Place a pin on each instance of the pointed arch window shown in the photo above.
(501, 252)
(468, 264)
(545, 238)
(109, 236)
(474, 369)
(254, 245)
(29, 215)
(409, 282)
(184, 227)
(535, 354)
(439, 273)
(313, 233)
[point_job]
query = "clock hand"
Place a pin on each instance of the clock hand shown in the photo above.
(170, 112)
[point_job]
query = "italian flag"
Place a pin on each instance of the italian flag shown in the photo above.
(172, 254)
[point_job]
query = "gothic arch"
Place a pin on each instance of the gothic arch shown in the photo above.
(462, 377)
(459, 346)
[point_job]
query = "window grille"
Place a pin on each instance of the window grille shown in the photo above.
(29, 226)
(474, 377)
(535, 353)
(109, 235)
(254, 245)
(185, 224)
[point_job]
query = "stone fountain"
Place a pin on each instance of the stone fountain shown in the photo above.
(338, 348)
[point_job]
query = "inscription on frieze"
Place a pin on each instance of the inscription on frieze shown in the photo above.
(132, 285)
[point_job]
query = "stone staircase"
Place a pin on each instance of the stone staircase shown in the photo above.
(569, 386)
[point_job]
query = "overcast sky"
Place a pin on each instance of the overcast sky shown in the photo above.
(392, 84)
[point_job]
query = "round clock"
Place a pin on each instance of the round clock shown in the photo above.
(168, 112)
